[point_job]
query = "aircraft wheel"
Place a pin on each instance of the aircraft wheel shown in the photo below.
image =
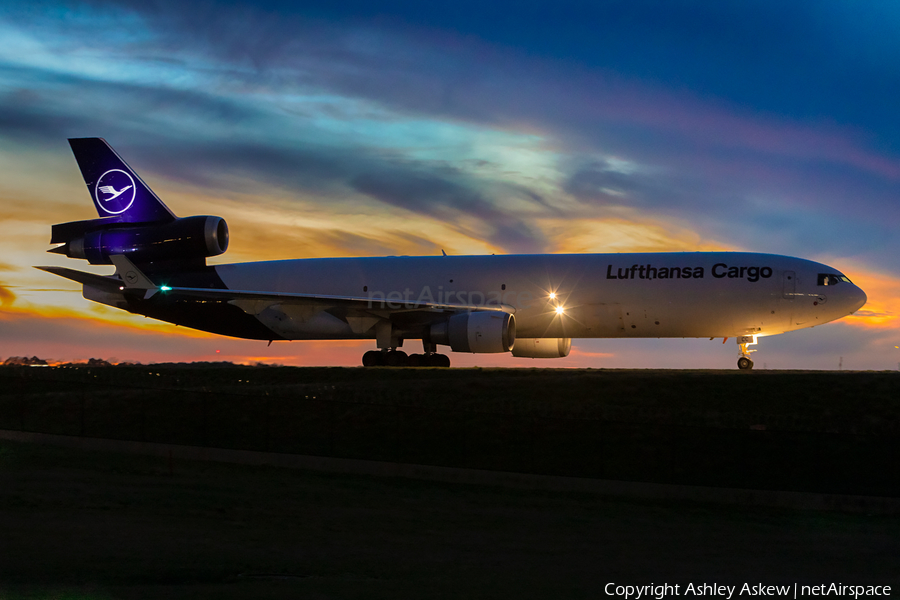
(745, 364)
(372, 358)
(417, 360)
(439, 360)
(396, 358)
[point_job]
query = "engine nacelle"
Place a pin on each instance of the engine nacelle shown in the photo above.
(479, 332)
(187, 238)
(542, 347)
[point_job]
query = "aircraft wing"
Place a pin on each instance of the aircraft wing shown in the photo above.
(347, 301)
(132, 278)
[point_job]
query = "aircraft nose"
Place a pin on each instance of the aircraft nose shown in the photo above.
(857, 299)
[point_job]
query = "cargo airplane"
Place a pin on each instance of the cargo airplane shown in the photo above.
(527, 305)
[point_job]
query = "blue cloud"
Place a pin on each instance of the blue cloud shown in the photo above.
(740, 126)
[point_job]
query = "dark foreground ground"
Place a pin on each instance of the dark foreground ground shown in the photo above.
(814, 432)
(88, 524)
(80, 524)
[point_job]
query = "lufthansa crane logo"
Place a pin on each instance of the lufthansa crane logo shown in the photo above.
(114, 191)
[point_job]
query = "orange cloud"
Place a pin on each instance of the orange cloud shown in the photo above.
(63, 336)
(268, 241)
(622, 234)
(883, 291)
(97, 316)
(6, 296)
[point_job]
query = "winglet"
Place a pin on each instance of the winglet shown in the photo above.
(131, 276)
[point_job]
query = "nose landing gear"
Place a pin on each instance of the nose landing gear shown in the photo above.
(744, 362)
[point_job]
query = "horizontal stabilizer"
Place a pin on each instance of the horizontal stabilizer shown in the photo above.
(92, 279)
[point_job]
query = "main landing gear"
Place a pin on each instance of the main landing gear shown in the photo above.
(398, 358)
(387, 355)
(744, 363)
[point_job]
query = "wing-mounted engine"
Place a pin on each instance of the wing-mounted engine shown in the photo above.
(180, 239)
(542, 347)
(479, 331)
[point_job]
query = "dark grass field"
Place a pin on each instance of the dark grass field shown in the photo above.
(84, 524)
(824, 432)
(847, 401)
(79, 524)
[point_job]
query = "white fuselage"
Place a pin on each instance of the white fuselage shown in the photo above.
(702, 294)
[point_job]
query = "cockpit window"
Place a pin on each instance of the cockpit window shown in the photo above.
(832, 279)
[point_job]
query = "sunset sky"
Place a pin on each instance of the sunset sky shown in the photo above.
(373, 128)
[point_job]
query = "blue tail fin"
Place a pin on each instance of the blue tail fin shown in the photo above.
(116, 189)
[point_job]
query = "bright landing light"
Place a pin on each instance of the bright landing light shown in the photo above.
(560, 310)
(552, 295)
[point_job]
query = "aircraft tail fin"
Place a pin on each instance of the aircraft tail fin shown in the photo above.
(117, 191)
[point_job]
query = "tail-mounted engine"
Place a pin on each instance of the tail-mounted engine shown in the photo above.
(187, 238)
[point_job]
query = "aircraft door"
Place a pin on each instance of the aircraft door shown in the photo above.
(790, 285)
